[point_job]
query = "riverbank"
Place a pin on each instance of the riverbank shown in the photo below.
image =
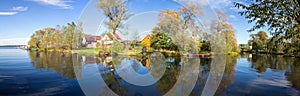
(273, 53)
(133, 52)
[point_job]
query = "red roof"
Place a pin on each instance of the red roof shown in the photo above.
(98, 38)
(91, 38)
(117, 36)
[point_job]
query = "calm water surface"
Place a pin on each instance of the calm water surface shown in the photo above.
(31, 73)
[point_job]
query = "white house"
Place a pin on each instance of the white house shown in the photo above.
(109, 38)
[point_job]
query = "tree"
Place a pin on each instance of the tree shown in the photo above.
(116, 11)
(189, 17)
(260, 41)
(33, 42)
(226, 29)
(182, 30)
(282, 17)
(66, 38)
(72, 36)
(161, 40)
(56, 39)
(206, 46)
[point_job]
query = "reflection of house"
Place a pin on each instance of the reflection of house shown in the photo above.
(90, 41)
(88, 60)
(109, 38)
(146, 41)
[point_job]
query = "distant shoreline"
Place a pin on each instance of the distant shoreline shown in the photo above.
(11, 45)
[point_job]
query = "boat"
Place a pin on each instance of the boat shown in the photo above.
(199, 55)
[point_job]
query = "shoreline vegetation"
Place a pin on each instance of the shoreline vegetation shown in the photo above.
(98, 52)
(177, 29)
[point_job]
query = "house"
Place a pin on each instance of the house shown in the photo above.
(90, 41)
(109, 38)
(146, 41)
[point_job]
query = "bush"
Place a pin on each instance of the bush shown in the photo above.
(150, 50)
(117, 47)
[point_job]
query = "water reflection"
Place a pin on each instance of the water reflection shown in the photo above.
(237, 74)
(60, 63)
(290, 66)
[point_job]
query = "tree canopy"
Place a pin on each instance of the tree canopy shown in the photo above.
(64, 38)
(282, 17)
(116, 11)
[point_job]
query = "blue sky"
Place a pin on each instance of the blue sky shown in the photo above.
(21, 18)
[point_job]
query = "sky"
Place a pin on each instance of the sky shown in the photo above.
(21, 18)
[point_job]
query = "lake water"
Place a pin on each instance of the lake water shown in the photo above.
(31, 73)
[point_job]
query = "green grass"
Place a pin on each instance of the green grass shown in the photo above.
(233, 53)
(88, 51)
(204, 52)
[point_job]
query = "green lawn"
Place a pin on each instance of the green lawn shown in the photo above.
(87, 51)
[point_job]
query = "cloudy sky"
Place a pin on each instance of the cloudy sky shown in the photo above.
(21, 18)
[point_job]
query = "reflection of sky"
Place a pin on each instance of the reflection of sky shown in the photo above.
(269, 83)
(132, 71)
(91, 77)
(19, 77)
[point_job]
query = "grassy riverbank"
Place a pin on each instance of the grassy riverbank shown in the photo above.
(133, 52)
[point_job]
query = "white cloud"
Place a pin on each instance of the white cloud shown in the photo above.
(14, 41)
(20, 8)
(8, 13)
(65, 4)
(14, 10)
(232, 16)
(220, 3)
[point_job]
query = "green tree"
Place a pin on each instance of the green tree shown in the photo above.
(260, 41)
(206, 46)
(116, 11)
(161, 40)
(282, 18)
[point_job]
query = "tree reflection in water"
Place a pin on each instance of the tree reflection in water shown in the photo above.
(289, 65)
(63, 64)
(60, 63)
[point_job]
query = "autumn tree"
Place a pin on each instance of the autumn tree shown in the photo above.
(182, 26)
(41, 38)
(226, 29)
(65, 38)
(33, 42)
(116, 11)
(189, 15)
